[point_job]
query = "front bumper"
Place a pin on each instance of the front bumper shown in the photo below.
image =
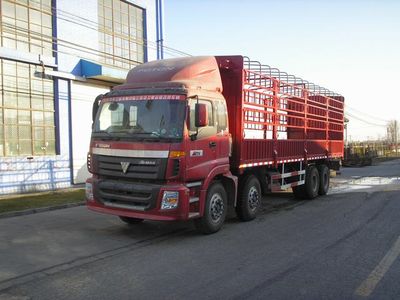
(137, 200)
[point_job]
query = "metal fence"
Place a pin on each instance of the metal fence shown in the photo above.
(23, 175)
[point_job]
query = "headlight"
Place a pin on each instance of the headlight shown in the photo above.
(170, 200)
(89, 191)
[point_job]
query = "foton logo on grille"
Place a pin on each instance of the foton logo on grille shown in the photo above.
(125, 166)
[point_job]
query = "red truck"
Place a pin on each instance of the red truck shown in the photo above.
(185, 138)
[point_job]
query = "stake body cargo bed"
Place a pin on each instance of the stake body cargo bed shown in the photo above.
(278, 118)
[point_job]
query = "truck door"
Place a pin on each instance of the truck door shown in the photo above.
(202, 155)
(223, 137)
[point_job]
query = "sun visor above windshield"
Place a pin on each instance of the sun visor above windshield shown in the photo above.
(191, 72)
(143, 97)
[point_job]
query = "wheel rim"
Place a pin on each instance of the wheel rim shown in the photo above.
(326, 180)
(253, 198)
(216, 207)
(314, 182)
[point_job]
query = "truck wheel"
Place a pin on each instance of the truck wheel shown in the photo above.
(214, 211)
(249, 201)
(312, 182)
(324, 179)
(130, 221)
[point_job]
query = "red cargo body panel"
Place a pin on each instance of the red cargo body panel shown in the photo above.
(275, 117)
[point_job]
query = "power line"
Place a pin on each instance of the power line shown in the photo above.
(366, 114)
(350, 115)
(67, 16)
(35, 41)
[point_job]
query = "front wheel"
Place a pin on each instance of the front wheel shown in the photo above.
(249, 200)
(214, 210)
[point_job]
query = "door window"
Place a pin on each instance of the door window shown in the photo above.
(206, 131)
(221, 116)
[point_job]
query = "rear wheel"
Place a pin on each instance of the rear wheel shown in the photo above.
(130, 221)
(312, 182)
(249, 201)
(299, 191)
(310, 188)
(214, 211)
(324, 179)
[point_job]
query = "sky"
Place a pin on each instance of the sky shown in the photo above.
(350, 47)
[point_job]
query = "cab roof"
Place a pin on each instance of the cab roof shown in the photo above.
(189, 72)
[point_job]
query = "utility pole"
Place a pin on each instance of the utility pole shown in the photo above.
(395, 136)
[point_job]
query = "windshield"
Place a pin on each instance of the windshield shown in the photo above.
(140, 119)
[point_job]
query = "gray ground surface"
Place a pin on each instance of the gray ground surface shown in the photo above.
(320, 249)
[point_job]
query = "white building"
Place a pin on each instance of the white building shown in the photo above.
(56, 56)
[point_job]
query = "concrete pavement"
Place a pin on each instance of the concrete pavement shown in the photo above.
(326, 248)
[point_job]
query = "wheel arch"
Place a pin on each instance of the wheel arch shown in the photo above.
(261, 173)
(223, 175)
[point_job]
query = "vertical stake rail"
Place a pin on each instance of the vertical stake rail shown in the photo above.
(302, 176)
(245, 80)
(275, 92)
(305, 96)
(327, 127)
(265, 102)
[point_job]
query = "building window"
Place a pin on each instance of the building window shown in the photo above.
(26, 111)
(27, 26)
(121, 33)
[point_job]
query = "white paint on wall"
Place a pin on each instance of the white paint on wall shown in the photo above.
(82, 95)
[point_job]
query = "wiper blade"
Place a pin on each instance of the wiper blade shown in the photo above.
(144, 132)
(108, 136)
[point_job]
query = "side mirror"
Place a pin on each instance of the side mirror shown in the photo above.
(200, 115)
(95, 106)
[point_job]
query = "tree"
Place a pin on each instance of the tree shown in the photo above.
(393, 133)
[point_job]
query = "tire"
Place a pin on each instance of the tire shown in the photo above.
(214, 211)
(130, 221)
(249, 201)
(299, 192)
(324, 179)
(312, 182)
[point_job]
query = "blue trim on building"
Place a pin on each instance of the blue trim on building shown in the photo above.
(54, 29)
(56, 116)
(159, 30)
(71, 156)
(89, 69)
(145, 44)
(94, 70)
(55, 81)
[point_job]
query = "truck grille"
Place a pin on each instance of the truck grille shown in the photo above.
(128, 167)
(128, 195)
